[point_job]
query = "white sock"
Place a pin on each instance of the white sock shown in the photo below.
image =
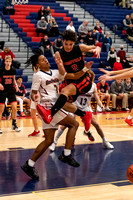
(104, 139)
(67, 152)
(129, 117)
(36, 130)
(59, 133)
(31, 163)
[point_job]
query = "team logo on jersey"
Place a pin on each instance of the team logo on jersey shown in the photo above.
(56, 80)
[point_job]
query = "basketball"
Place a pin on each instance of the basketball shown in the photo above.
(130, 173)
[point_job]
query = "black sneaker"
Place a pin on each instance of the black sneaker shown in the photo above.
(30, 171)
(89, 135)
(15, 128)
(69, 160)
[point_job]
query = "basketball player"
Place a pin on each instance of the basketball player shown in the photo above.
(72, 58)
(82, 102)
(46, 82)
(123, 74)
(7, 90)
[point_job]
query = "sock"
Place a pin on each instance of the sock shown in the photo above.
(31, 163)
(80, 113)
(67, 152)
(36, 130)
(60, 131)
(86, 131)
(104, 139)
(59, 104)
(13, 121)
(129, 117)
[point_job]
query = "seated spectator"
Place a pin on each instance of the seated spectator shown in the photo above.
(70, 26)
(46, 46)
(89, 38)
(83, 28)
(129, 61)
(122, 54)
(54, 32)
(48, 10)
(125, 3)
(8, 52)
(41, 26)
(107, 42)
(127, 22)
(117, 65)
(98, 32)
(58, 44)
(103, 88)
(41, 13)
(128, 88)
(49, 17)
(130, 33)
(117, 92)
(20, 96)
(8, 8)
(112, 56)
(81, 38)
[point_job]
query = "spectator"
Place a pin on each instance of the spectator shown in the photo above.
(58, 44)
(130, 61)
(122, 54)
(41, 13)
(107, 42)
(41, 26)
(49, 17)
(20, 96)
(128, 88)
(70, 26)
(81, 38)
(117, 65)
(8, 8)
(125, 3)
(130, 33)
(83, 28)
(112, 56)
(98, 31)
(117, 92)
(48, 10)
(103, 88)
(46, 46)
(89, 38)
(127, 22)
(54, 28)
(8, 52)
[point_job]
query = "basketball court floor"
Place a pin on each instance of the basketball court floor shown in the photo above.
(101, 175)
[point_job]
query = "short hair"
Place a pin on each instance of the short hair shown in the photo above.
(19, 77)
(69, 35)
(8, 57)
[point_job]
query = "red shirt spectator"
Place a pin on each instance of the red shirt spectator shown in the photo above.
(117, 65)
(121, 53)
(7, 52)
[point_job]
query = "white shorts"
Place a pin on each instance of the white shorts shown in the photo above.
(60, 115)
(33, 105)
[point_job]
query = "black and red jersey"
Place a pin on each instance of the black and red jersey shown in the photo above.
(102, 88)
(7, 79)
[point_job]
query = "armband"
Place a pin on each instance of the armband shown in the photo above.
(85, 69)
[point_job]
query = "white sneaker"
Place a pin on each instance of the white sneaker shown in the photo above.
(99, 109)
(15, 128)
(107, 145)
(108, 109)
(52, 146)
(1, 131)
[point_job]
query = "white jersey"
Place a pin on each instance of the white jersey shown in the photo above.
(46, 83)
(84, 100)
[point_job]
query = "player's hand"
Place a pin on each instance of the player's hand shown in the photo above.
(104, 71)
(58, 59)
(105, 78)
(16, 88)
(89, 64)
(97, 51)
(1, 87)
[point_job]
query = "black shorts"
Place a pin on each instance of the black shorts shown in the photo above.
(9, 95)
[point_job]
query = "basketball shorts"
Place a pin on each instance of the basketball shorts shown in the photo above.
(59, 116)
(9, 95)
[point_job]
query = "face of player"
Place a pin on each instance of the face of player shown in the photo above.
(68, 45)
(8, 63)
(43, 63)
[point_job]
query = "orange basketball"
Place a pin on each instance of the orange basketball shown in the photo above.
(130, 173)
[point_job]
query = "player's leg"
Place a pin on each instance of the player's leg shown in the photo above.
(20, 101)
(2, 106)
(106, 144)
(14, 116)
(27, 102)
(128, 120)
(28, 167)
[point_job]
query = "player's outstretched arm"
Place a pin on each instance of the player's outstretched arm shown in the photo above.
(92, 48)
(115, 72)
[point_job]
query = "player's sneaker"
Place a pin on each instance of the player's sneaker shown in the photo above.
(30, 171)
(1, 131)
(107, 145)
(52, 146)
(89, 135)
(69, 160)
(45, 114)
(15, 128)
(86, 119)
(35, 133)
(129, 122)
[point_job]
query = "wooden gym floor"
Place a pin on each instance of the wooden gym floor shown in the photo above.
(101, 175)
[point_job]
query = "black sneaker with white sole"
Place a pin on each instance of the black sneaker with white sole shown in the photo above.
(89, 135)
(30, 171)
(69, 160)
(1, 131)
(15, 128)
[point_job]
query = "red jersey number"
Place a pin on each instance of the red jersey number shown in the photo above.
(74, 67)
(8, 81)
